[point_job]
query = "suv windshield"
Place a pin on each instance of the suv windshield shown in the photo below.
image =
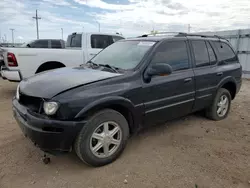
(124, 55)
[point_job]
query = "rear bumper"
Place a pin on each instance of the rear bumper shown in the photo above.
(11, 75)
(49, 135)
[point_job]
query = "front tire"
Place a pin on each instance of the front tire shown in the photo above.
(103, 138)
(220, 106)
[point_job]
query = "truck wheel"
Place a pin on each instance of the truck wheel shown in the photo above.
(103, 138)
(220, 106)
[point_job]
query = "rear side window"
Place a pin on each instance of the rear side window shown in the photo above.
(56, 44)
(74, 40)
(211, 54)
(200, 53)
(173, 53)
(101, 41)
(226, 53)
(40, 44)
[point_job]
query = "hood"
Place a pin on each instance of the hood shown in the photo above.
(48, 84)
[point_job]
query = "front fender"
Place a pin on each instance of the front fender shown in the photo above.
(106, 102)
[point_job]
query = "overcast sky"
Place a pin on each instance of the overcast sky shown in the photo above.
(130, 17)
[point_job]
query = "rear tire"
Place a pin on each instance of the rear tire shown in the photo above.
(94, 135)
(220, 107)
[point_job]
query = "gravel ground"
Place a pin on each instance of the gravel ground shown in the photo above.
(190, 152)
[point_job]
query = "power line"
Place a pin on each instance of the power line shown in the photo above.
(12, 32)
(37, 30)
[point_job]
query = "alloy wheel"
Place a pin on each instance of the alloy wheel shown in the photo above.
(222, 106)
(106, 139)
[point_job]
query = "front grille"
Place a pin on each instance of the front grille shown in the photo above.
(32, 103)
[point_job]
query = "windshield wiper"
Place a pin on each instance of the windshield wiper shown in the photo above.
(115, 69)
(92, 64)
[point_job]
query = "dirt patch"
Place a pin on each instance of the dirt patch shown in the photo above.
(190, 152)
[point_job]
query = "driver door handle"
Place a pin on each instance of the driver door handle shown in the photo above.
(187, 80)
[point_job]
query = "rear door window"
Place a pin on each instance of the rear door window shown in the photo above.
(56, 44)
(211, 54)
(200, 53)
(101, 41)
(40, 44)
(226, 53)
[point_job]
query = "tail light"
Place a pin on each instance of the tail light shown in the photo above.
(12, 62)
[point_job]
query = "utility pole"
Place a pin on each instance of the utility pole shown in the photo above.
(99, 26)
(12, 32)
(62, 33)
(189, 28)
(37, 18)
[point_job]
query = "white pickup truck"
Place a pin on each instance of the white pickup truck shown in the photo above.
(20, 63)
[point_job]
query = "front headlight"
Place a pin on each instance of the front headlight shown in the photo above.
(50, 108)
(17, 92)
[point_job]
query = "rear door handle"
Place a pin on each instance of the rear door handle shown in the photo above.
(188, 80)
(219, 73)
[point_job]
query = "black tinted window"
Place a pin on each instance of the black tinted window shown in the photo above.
(173, 53)
(100, 41)
(226, 53)
(200, 53)
(211, 53)
(74, 40)
(55, 44)
(40, 44)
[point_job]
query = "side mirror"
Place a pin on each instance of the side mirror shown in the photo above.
(160, 69)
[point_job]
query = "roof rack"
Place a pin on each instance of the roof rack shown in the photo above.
(199, 35)
(161, 33)
(220, 37)
(182, 34)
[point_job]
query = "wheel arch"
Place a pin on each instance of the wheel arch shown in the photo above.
(230, 84)
(49, 65)
(120, 104)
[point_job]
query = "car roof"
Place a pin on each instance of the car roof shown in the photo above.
(158, 38)
(150, 38)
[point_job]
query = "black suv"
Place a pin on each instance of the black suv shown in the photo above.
(130, 84)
